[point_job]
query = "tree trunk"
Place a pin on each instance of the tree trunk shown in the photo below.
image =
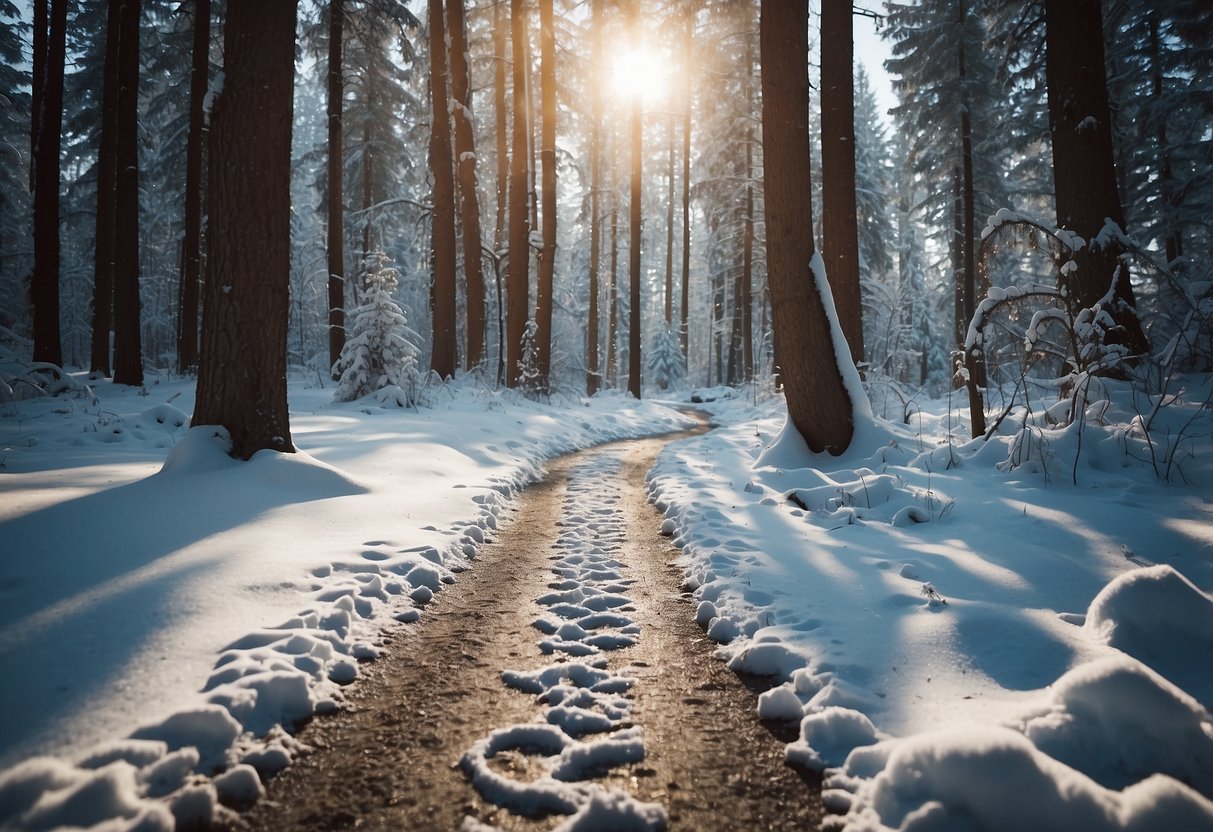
(684, 310)
(191, 252)
(107, 153)
(1084, 173)
(40, 41)
(745, 298)
(840, 235)
(819, 406)
(500, 42)
(469, 201)
(336, 182)
(613, 289)
(634, 245)
(547, 155)
(443, 292)
(669, 232)
(44, 284)
(593, 377)
(975, 375)
(518, 277)
(128, 345)
(242, 371)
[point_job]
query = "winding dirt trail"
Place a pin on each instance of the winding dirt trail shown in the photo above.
(391, 760)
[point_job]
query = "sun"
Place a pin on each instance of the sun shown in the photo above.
(640, 71)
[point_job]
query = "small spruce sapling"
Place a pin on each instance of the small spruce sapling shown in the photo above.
(667, 366)
(380, 355)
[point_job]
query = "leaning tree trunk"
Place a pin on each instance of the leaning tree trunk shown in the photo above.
(518, 276)
(443, 290)
(107, 157)
(336, 182)
(242, 367)
(128, 343)
(1084, 172)
(819, 406)
(469, 200)
(547, 156)
(48, 118)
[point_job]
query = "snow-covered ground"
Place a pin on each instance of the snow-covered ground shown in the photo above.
(965, 644)
(164, 606)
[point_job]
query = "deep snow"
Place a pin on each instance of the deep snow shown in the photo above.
(965, 644)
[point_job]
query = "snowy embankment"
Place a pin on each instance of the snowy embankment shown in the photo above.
(165, 608)
(965, 646)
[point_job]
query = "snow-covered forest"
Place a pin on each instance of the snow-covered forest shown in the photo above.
(297, 296)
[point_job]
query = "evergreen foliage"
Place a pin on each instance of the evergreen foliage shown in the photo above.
(381, 352)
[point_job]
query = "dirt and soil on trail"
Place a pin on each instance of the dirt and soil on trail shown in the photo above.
(391, 759)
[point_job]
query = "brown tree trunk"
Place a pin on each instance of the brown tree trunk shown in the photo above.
(819, 406)
(336, 182)
(840, 235)
(469, 201)
(684, 310)
(44, 283)
(593, 377)
(613, 289)
(518, 276)
(745, 297)
(634, 209)
(443, 289)
(1084, 173)
(975, 375)
(547, 156)
(242, 367)
(128, 343)
(191, 247)
(500, 106)
(107, 153)
(669, 232)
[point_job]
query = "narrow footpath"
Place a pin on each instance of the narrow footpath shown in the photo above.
(562, 680)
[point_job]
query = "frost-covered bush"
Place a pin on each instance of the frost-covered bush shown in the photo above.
(381, 352)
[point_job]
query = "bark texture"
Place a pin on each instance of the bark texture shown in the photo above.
(819, 406)
(335, 182)
(518, 275)
(128, 341)
(547, 156)
(50, 26)
(242, 371)
(107, 155)
(840, 234)
(191, 247)
(442, 290)
(469, 200)
(1084, 172)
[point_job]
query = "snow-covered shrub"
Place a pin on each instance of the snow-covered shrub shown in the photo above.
(530, 381)
(381, 353)
(666, 365)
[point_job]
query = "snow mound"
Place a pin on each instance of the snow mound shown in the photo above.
(1118, 722)
(1158, 616)
(828, 736)
(995, 780)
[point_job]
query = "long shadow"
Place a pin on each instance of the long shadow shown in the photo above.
(86, 584)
